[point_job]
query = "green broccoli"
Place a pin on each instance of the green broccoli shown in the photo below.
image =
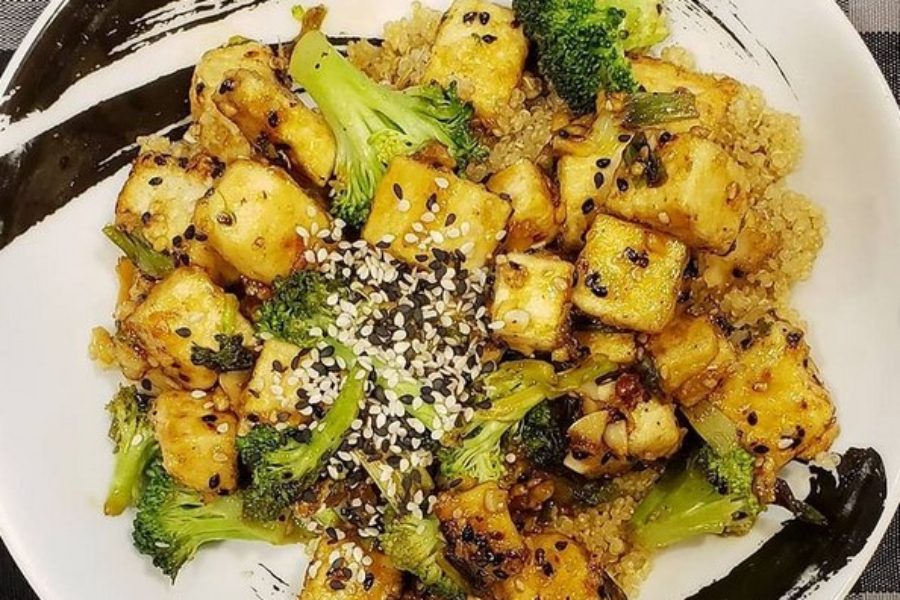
(298, 306)
(135, 446)
(373, 124)
(581, 44)
(543, 437)
(415, 545)
(173, 521)
(284, 463)
(139, 251)
(709, 492)
(511, 391)
(232, 355)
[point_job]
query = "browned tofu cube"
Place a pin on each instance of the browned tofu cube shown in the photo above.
(196, 440)
(379, 579)
(255, 219)
(692, 355)
(184, 310)
(777, 401)
(537, 215)
(271, 395)
(276, 121)
(557, 568)
(481, 47)
(482, 540)
(417, 209)
(702, 202)
(629, 276)
(714, 94)
(532, 297)
(618, 347)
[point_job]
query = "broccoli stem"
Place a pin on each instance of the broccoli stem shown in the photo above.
(128, 471)
(138, 250)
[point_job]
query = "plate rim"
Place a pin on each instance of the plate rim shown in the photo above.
(13, 537)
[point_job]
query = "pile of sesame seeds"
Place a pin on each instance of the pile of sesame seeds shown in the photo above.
(419, 335)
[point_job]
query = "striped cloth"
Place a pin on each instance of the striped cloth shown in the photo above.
(878, 21)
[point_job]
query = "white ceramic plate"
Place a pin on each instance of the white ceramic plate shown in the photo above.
(58, 280)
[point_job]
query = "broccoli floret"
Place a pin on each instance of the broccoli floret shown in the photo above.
(511, 391)
(173, 521)
(581, 44)
(298, 306)
(283, 464)
(139, 251)
(543, 437)
(415, 545)
(135, 446)
(710, 492)
(707, 493)
(232, 355)
(373, 124)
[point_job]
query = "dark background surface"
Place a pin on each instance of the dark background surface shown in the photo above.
(883, 574)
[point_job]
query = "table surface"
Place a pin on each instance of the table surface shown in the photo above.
(878, 21)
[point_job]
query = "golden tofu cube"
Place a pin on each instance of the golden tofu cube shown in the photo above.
(480, 46)
(777, 401)
(252, 220)
(159, 197)
(482, 540)
(197, 441)
(271, 394)
(713, 94)
(692, 355)
(532, 297)
(703, 201)
(451, 213)
(755, 244)
(536, 215)
(382, 581)
(217, 134)
(557, 568)
(629, 276)
(276, 121)
(618, 347)
(185, 309)
(586, 172)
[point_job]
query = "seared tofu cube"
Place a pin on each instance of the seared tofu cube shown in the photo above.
(713, 94)
(536, 215)
(777, 401)
(629, 276)
(159, 197)
(418, 209)
(383, 581)
(702, 202)
(557, 568)
(532, 297)
(482, 541)
(755, 244)
(271, 395)
(480, 46)
(256, 218)
(197, 441)
(618, 347)
(276, 121)
(215, 132)
(183, 310)
(692, 355)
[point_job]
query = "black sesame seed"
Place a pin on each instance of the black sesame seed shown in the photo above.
(753, 418)
(431, 203)
(484, 18)
(665, 137)
(155, 181)
(588, 206)
(760, 449)
(738, 273)
(183, 332)
(190, 232)
(303, 435)
(470, 17)
(214, 481)
(638, 258)
(160, 159)
(625, 138)
(369, 579)
(225, 219)
(398, 191)
(147, 384)
(209, 418)
(226, 86)
(336, 584)
(384, 245)
(450, 220)
(326, 352)
(489, 39)
(177, 241)
(622, 184)
(793, 339)
(201, 237)
(145, 218)
(272, 118)
(603, 163)
(592, 282)
(599, 180)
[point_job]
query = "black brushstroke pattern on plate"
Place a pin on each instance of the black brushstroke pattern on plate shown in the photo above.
(801, 556)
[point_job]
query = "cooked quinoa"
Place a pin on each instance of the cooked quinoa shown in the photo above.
(789, 225)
